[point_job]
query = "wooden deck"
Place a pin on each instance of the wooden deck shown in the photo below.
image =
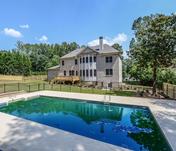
(63, 79)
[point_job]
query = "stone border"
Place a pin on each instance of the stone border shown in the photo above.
(164, 112)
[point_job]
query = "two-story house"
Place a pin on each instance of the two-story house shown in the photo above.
(99, 64)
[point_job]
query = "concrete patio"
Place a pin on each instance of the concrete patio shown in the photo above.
(19, 134)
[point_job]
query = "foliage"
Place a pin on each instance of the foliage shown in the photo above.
(153, 46)
(43, 56)
(14, 63)
(118, 47)
(153, 140)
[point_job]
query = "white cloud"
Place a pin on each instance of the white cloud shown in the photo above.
(120, 38)
(26, 26)
(43, 39)
(12, 32)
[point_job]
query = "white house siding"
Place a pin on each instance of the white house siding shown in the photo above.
(102, 66)
(52, 74)
(69, 64)
(88, 66)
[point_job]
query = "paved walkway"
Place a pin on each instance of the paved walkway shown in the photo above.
(19, 134)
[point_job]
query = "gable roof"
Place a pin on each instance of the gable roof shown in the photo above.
(106, 49)
(54, 67)
(73, 53)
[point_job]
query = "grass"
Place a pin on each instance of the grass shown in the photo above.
(36, 86)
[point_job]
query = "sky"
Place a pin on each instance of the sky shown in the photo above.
(81, 21)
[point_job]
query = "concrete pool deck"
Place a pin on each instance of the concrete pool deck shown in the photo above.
(17, 134)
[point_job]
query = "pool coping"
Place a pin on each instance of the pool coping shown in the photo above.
(163, 111)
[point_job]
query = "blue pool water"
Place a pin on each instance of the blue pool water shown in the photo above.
(126, 126)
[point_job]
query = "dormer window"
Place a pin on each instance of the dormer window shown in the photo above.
(62, 62)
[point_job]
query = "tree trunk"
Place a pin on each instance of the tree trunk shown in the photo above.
(154, 80)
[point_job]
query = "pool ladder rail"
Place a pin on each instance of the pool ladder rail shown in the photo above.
(107, 99)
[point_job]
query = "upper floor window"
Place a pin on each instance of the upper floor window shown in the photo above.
(90, 59)
(62, 62)
(80, 73)
(65, 73)
(86, 59)
(76, 61)
(109, 59)
(95, 58)
(109, 72)
(80, 60)
(83, 59)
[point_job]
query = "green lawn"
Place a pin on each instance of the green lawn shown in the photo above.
(33, 86)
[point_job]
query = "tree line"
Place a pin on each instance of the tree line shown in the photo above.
(27, 59)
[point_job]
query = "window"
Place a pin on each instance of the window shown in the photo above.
(80, 73)
(109, 59)
(70, 72)
(95, 58)
(87, 73)
(83, 60)
(109, 72)
(76, 73)
(90, 59)
(73, 72)
(65, 73)
(80, 60)
(83, 73)
(62, 62)
(90, 72)
(95, 73)
(86, 59)
(76, 61)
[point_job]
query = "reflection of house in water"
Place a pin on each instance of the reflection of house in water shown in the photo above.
(88, 111)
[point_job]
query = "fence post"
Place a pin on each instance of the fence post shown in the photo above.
(4, 88)
(38, 86)
(167, 89)
(43, 86)
(173, 92)
(18, 86)
(29, 88)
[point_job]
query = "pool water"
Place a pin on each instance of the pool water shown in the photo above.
(126, 126)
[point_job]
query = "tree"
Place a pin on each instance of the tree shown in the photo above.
(119, 48)
(154, 45)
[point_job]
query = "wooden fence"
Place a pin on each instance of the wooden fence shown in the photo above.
(22, 78)
(169, 90)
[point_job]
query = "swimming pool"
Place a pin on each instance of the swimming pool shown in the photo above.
(126, 126)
